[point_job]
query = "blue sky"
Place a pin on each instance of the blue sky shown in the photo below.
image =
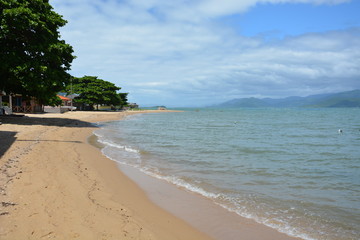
(202, 52)
(295, 19)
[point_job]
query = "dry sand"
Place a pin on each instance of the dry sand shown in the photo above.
(54, 185)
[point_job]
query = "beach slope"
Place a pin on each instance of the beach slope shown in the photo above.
(53, 184)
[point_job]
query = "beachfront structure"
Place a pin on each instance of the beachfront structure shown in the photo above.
(66, 105)
(65, 100)
(4, 109)
(16, 103)
(131, 106)
(22, 105)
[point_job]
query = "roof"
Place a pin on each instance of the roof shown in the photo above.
(64, 98)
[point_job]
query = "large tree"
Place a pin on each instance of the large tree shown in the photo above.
(95, 91)
(123, 99)
(33, 59)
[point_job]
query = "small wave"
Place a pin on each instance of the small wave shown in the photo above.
(97, 134)
(222, 200)
(112, 144)
(219, 199)
(154, 172)
(240, 207)
(180, 183)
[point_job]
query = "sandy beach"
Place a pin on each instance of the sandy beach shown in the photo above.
(55, 185)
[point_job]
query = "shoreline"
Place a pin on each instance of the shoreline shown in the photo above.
(201, 212)
(99, 191)
(54, 184)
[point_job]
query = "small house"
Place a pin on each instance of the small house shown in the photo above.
(18, 104)
(65, 100)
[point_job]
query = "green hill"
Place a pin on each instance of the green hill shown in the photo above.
(338, 100)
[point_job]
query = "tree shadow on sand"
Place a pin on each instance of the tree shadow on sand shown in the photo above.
(6, 140)
(44, 121)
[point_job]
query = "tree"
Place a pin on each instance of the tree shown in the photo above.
(123, 99)
(94, 91)
(33, 60)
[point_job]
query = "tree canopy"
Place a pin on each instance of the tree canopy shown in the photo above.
(33, 59)
(95, 91)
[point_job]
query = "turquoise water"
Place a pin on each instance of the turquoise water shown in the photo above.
(287, 168)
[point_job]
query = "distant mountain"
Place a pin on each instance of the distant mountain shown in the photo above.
(342, 99)
(246, 102)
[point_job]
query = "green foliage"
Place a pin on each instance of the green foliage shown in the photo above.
(94, 91)
(33, 60)
(54, 101)
(123, 99)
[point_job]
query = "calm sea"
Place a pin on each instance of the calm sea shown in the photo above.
(290, 169)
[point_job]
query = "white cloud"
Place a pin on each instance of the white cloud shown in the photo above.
(217, 8)
(158, 51)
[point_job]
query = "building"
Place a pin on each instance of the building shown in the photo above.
(131, 106)
(18, 104)
(66, 105)
(65, 100)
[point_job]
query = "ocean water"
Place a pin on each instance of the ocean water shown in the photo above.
(289, 169)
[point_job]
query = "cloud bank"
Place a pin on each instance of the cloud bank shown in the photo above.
(177, 53)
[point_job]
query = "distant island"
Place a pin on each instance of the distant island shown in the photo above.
(333, 100)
